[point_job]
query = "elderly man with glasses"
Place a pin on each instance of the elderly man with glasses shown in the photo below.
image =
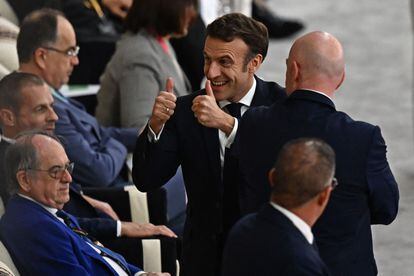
(41, 238)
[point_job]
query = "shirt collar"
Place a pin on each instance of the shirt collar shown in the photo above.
(246, 100)
(302, 226)
(58, 95)
(49, 209)
(8, 140)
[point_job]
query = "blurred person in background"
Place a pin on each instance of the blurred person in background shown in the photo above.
(143, 61)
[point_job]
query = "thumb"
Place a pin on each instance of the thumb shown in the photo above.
(169, 86)
(209, 90)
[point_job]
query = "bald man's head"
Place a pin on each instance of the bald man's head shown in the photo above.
(316, 61)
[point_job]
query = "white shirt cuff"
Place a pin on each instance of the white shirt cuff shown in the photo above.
(139, 273)
(118, 228)
(152, 137)
(230, 139)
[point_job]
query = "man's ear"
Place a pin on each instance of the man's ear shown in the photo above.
(324, 196)
(254, 63)
(341, 81)
(271, 177)
(23, 180)
(39, 57)
(7, 117)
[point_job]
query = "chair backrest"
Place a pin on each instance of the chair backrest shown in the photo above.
(7, 11)
(9, 60)
(7, 261)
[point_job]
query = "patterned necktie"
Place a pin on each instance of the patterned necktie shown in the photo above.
(103, 251)
(231, 209)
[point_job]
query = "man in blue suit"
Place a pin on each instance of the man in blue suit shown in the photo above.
(41, 238)
(27, 104)
(196, 132)
(368, 193)
(278, 239)
(46, 47)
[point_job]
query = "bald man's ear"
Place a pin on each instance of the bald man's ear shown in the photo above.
(254, 63)
(7, 117)
(40, 57)
(295, 73)
(271, 177)
(341, 81)
(23, 180)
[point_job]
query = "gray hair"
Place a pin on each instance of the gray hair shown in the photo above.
(22, 156)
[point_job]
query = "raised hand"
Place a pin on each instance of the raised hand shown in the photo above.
(209, 114)
(118, 7)
(164, 106)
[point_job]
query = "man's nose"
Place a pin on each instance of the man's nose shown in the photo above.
(213, 71)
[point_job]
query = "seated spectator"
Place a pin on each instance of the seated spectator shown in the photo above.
(278, 239)
(46, 47)
(26, 104)
(41, 238)
(143, 61)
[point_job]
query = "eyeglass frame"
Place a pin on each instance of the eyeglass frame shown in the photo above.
(71, 52)
(334, 183)
(60, 170)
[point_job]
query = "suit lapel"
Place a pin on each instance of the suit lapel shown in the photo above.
(259, 97)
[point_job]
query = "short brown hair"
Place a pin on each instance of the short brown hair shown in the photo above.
(39, 28)
(162, 17)
(236, 25)
(11, 87)
(302, 169)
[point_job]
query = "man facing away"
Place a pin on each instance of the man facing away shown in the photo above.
(196, 132)
(41, 238)
(368, 193)
(278, 239)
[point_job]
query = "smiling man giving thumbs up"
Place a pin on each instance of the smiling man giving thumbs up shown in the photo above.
(196, 132)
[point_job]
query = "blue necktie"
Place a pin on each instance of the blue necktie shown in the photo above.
(104, 252)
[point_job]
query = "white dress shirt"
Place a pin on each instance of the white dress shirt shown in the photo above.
(227, 141)
(302, 226)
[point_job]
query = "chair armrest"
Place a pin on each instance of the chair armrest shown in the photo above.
(133, 205)
(156, 253)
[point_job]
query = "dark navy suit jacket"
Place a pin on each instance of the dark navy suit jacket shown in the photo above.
(267, 243)
(196, 148)
(42, 245)
(367, 192)
(99, 153)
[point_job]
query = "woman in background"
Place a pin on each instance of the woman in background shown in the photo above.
(143, 61)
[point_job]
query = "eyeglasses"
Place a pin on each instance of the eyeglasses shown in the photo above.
(334, 183)
(71, 52)
(56, 172)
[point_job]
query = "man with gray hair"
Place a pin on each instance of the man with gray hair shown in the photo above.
(41, 238)
(368, 193)
(278, 239)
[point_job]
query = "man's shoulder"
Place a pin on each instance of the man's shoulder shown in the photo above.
(271, 90)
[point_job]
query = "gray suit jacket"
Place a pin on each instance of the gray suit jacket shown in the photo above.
(133, 78)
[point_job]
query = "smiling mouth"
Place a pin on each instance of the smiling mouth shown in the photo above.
(218, 83)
